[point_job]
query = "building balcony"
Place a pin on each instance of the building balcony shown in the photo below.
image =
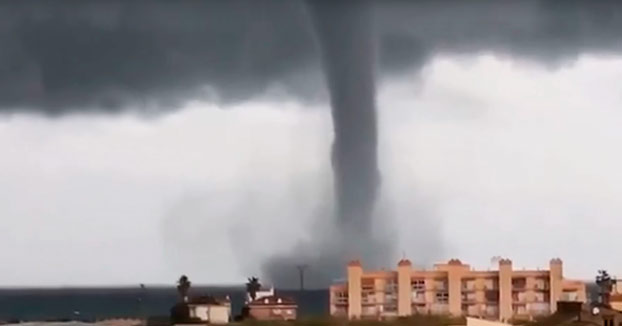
(439, 308)
(418, 300)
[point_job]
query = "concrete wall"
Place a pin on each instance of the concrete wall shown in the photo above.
(505, 289)
(355, 272)
(219, 314)
(404, 291)
(555, 281)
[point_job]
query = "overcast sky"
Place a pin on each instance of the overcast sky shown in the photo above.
(500, 157)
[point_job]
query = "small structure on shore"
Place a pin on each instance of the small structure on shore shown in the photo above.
(273, 307)
(210, 309)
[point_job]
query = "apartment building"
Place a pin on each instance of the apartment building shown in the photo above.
(453, 288)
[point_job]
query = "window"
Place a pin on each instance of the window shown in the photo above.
(391, 286)
(390, 307)
(519, 283)
(440, 284)
(442, 297)
(418, 296)
(492, 296)
(368, 311)
(491, 284)
(470, 296)
(418, 284)
(468, 284)
(541, 284)
(367, 284)
(519, 296)
(368, 298)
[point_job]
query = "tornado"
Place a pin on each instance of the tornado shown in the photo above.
(344, 34)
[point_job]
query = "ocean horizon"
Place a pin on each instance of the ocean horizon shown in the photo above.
(97, 303)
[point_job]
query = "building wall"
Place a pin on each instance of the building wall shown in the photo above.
(273, 312)
(199, 311)
(505, 290)
(355, 272)
(555, 277)
(339, 300)
(211, 313)
(404, 271)
(219, 314)
(453, 288)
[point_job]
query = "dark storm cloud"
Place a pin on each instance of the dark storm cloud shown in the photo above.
(545, 30)
(65, 56)
(68, 55)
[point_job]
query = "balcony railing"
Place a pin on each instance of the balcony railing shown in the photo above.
(418, 299)
(544, 287)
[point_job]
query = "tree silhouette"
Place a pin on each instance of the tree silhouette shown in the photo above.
(183, 286)
(605, 284)
(252, 286)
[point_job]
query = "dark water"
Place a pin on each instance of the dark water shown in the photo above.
(99, 303)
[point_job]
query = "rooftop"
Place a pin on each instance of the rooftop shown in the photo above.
(273, 300)
(208, 300)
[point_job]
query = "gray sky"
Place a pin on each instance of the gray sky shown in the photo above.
(497, 155)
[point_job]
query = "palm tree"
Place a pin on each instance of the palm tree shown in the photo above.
(183, 286)
(252, 286)
(605, 283)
